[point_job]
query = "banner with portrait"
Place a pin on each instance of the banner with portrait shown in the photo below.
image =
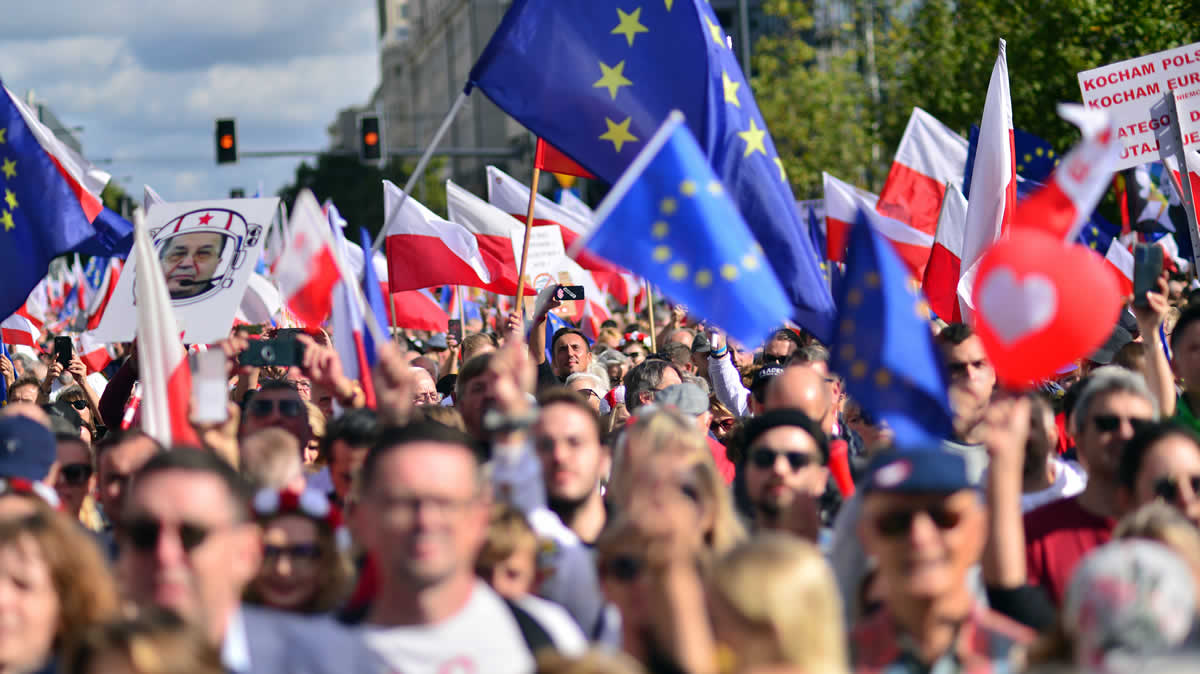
(207, 250)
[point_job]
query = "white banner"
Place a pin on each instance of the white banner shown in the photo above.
(207, 251)
(1128, 89)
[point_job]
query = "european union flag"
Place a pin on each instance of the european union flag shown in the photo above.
(114, 236)
(597, 79)
(1036, 158)
(670, 220)
(40, 217)
(884, 349)
(1098, 234)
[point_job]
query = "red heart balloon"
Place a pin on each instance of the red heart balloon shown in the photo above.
(1040, 304)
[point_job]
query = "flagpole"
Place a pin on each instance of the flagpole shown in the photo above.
(650, 308)
(461, 319)
(537, 176)
(423, 162)
(391, 302)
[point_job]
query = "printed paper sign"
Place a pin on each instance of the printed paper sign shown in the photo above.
(1129, 88)
(548, 263)
(207, 251)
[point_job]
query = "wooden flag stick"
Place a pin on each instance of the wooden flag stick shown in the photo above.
(393, 333)
(650, 308)
(537, 175)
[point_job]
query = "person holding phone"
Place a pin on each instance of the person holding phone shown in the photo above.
(66, 361)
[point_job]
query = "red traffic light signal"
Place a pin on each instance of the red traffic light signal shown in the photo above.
(226, 141)
(370, 146)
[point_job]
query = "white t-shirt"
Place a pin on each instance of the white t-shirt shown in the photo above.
(483, 638)
(1069, 480)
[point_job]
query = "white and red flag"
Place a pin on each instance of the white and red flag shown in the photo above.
(843, 202)
(930, 156)
(307, 269)
(940, 283)
(993, 197)
(162, 359)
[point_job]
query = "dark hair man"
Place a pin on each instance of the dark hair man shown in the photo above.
(573, 460)
(643, 380)
(346, 442)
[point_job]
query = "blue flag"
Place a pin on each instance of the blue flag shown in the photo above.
(3, 381)
(1036, 158)
(374, 294)
(670, 220)
(114, 236)
(553, 324)
(597, 79)
(885, 350)
(40, 216)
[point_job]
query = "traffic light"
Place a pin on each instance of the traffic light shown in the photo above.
(237, 193)
(226, 141)
(370, 142)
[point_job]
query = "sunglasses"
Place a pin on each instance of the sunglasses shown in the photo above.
(1107, 423)
(625, 568)
(300, 551)
(765, 457)
(288, 408)
(899, 522)
(79, 404)
(723, 424)
(1169, 489)
(76, 474)
(773, 360)
(143, 533)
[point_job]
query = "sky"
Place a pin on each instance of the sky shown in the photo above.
(146, 79)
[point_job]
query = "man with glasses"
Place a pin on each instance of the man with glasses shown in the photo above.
(926, 526)
(589, 386)
(187, 544)
(423, 514)
(644, 380)
(783, 471)
(426, 389)
(1112, 406)
(277, 404)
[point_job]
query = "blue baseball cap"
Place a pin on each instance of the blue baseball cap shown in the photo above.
(921, 470)
(27, 448)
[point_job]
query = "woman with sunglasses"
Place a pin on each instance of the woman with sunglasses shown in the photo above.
(305, 565)
(86, 410)
(1161, 462)
(76, 477)
(55, 582)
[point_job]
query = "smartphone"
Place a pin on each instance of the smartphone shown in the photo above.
(63, 350)
(454, 327)
(210, 387)
(278, 352)
(1147, 267)
(568, 293)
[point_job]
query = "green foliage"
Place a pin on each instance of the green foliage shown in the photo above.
(357, 190)
(938, 54)
(112, 195)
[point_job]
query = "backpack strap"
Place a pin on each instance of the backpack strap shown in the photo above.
(536, 637)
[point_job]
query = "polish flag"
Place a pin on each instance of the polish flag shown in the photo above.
(350, 322)
(424, 250)
(261, 303)
(101, 283)
(1063, 205)
(994, 180)
(940, 283)
(512, 196)
(307, 270)
(18, 329)
(418, 310)
(842, 204)
(594, 310)
(93, 352)
(162, 359)
(930, 155)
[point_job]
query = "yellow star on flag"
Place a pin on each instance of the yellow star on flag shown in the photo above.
(731, 89)
(618, 133)
(715, 31)
(659, 229)
(661, 253)
(754, 139)
(782, 171)
(10, 199)
(688, 188)
(704, 278)
(678, 271)
(613, 78)
(7, 220)
(3, 131)
(670, 3)
(9, 168)
(630, 25)
(668, 206)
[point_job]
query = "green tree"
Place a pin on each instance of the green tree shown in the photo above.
(357, 188)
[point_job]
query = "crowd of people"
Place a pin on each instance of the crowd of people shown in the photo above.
(656, 499)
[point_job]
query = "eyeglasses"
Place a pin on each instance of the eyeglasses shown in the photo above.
(143, 534)
(75, 474)
(589, 393)
(773, 360)
(1107, 423)
(723, 424)
(899, 522)
(625, 568)
(765, 457)
(429, 398)
(288, 408)
(302, 384)
(1168, 488)
(309, 552)
(79, 404)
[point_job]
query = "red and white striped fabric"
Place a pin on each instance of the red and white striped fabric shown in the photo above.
(930, 155)
(993, 198)
(306, 270)
(100, 296)
(1063, 205)
(261, 303)
(424, 250)
(349, 322)
(162, 359)
(940, 283)
(417, 310)
(594, 310)
(842, 203)
(18, 329)
(93, 352)
(85, 181)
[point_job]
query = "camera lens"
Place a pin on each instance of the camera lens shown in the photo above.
(268, 354)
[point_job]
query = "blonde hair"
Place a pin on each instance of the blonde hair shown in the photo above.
(155, 642)
(446, 416)
(507, 531)
(784, 584)
(591, 662)
(1157, 521)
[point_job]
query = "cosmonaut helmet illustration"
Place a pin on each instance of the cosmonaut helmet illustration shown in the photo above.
(200, 250)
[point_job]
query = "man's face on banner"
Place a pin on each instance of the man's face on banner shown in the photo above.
(189, 261)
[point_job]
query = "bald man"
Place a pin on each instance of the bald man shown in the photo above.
(805, 388)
